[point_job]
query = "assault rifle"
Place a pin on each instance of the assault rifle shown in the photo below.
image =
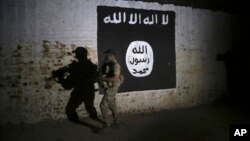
(63, 77)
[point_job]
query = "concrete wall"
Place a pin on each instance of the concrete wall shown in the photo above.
(38, 36)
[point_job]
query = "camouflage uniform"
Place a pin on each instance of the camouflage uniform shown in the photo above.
(109, 99)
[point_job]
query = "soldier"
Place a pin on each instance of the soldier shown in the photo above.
(111, 72)
(81, 76)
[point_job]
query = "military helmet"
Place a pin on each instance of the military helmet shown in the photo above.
(80, 51)
(111, 51)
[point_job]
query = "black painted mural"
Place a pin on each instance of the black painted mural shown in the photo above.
(144, 42)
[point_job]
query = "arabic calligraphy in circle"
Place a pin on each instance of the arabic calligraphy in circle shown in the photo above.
(139, 58)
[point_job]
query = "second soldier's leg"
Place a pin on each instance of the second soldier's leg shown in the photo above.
(104, 109)
(112, 101)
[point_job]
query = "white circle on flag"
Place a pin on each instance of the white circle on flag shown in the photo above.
(139, 58)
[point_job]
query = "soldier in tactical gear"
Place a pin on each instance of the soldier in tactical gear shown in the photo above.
(111, 73)
(81, 76)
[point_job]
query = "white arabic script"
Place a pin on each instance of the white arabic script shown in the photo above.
(139, 58)
(136, 18)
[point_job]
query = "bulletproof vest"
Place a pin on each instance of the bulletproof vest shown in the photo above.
(108, 69)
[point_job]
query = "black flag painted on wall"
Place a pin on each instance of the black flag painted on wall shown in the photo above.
(144, 42)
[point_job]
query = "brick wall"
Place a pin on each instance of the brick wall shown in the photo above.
(38, 37)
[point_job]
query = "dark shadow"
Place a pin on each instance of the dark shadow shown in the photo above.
(237, 65)
(94, 129)
(80, 76)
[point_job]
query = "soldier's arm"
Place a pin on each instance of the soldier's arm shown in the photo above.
(61, 71)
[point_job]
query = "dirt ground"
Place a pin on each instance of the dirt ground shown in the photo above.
(208, 122)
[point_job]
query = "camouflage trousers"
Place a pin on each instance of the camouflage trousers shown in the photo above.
(108, 102)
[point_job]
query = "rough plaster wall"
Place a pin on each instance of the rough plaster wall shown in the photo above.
(201, 35)
(38, 37)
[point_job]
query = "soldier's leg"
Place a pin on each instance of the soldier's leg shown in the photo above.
(74, 101)
(104, 109)
(112, 101)
(112, 106)
(89, 105)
